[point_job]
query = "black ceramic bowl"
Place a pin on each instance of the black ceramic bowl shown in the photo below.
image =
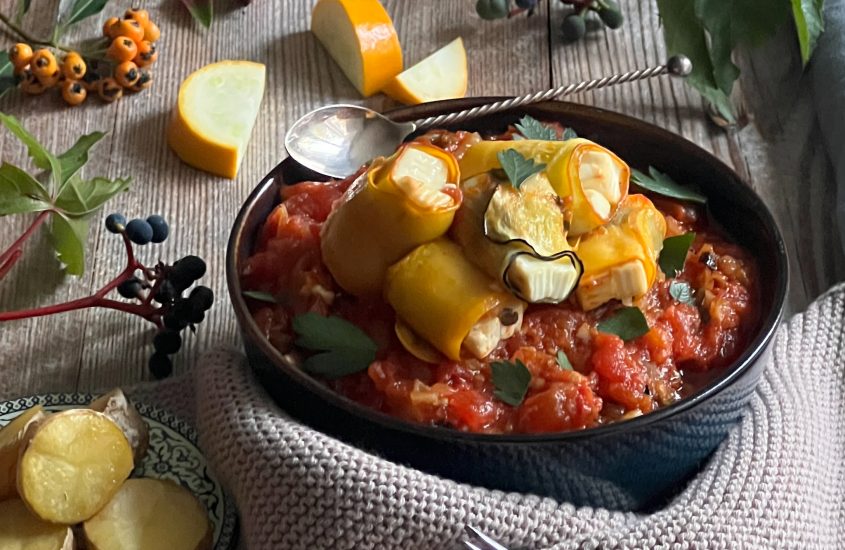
(630, 465)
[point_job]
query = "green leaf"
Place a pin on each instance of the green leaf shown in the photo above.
(809, 24)
(660, 183)
(563, 361)
(346, 348)
(685, 34)
(260, 296)
(517, 167)
(531, 128)
(74, 159)
(569, 133)
(41, 157)
(82, 9)
(201, 10)
(627, 323)
(681, 292)
(68, 236)
(20, 193)
(22, 7)
(674, 253)
(80, 197)
(511, 380)
(8, 80)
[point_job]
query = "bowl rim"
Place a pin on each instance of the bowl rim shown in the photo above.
(753, 351)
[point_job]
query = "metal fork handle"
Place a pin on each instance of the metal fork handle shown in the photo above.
(678, 65)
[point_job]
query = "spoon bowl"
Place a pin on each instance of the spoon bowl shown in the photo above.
(336, 140)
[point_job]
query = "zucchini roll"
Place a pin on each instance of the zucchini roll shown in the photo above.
(590, 179)
(517, 236)
(448, 302)
(620, 258)
(401, 202)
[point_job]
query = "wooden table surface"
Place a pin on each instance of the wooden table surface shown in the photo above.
(91, 349)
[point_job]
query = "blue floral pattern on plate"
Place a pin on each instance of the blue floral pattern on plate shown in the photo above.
(173, 454)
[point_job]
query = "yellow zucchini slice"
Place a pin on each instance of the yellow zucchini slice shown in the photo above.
(400, 203)
(11, 439)
(20, 529)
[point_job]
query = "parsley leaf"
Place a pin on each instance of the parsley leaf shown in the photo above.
(345, 348)
(660, 183)
(531, 128)
(511, 380)
(260, 296)
(628, 323)
(681, 291)
(563, 361)
(674, 253)
(517, 167)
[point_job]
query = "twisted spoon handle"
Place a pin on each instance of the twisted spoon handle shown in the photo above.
(678, 65)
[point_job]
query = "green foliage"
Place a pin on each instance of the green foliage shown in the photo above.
(344, 348)
(628, 323)
(511, 379)
(517, 167)
(661, 184)
(69, 198)
(201, 10)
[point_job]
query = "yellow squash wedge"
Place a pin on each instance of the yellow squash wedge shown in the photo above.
(442, 75)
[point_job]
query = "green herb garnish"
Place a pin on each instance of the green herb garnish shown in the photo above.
(563, 361)
(531, 128)
(201, 10)
(658, 182)
(260, 296)
(674, 253)
(518, 168)
(344, 348)
(682, 292)
(627, 323)
(511, 379)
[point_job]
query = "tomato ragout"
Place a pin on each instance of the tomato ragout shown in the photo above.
(610, 379)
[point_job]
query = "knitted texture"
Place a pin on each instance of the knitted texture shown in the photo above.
(776, 481)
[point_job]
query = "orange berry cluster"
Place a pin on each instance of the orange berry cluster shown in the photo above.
(131, 49)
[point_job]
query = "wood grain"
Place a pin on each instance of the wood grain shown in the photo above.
(95, 349)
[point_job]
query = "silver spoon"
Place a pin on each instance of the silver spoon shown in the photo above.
(337, 140)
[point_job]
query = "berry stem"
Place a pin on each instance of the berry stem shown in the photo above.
(14, 252)
(28, 38)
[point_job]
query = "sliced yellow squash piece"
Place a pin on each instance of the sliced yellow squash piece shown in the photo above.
(360, 37)
(20, 529)
(11, 439)
(217, 109)
(442, 75)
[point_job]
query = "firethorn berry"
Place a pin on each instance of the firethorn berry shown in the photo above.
(160, 228)
(126, 74)
(109, 25)
(31, 85)
(50, 80)
(145, 80)
(122, 49)
(91, 81)
(20, 55)
(73, 92)
(141, 16)
(109, 90)
(139, 231)
(147, 54)
(116, 223)
(151, 32)
(43, 63)
(130, 29)
(73, 66)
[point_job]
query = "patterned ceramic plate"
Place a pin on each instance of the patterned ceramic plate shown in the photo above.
(173, 454)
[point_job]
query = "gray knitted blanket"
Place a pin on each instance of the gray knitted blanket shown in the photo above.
(776, 482)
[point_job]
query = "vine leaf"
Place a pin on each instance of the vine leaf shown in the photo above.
(41, 157)
(81, 197)
(8, 80)
(79, 10)
(20, 193)
(68, 237)
(72, 160)
(201, 10)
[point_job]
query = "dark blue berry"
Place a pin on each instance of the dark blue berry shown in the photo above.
(185, 272)
(174, 322)
(116, 223)
(573, 27)
(160, 365)
(611, 16)
(160, 228)
(166, 293)
(492, 9)
(201, 298)
(196, 317)
(167, 341)
(526, 4)
(130, 289)
(182, 310)
(139, 231)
